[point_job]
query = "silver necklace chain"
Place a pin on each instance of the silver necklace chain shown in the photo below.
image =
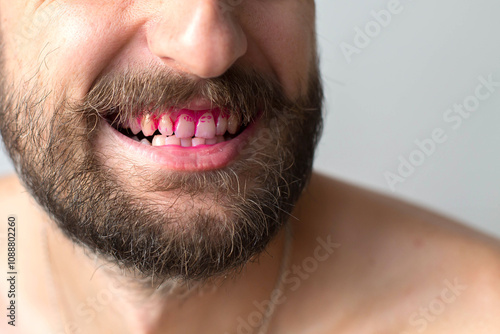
(279, 285)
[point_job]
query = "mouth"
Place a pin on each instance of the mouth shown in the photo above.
(179, 139)
(182, 127)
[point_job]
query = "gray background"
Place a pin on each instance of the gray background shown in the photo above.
(396, 91)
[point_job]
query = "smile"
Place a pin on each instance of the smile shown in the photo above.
(180, 139)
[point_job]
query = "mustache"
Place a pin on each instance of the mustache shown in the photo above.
(240, 91)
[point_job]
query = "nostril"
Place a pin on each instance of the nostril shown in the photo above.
(204, 42)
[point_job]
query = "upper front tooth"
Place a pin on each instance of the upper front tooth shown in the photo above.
(221, 124)
(206, 126)
(184, 126)
(148, 125)
(233, 124)
(165, 126)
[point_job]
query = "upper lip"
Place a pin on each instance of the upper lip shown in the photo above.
(198, 104)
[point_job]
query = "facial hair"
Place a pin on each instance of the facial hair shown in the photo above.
(224, 218)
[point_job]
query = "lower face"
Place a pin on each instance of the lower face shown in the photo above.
(165, 175)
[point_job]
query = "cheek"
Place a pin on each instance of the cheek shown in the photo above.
(25, 32)
(285, 35)
(60, 44)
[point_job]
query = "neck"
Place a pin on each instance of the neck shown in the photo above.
(94, 297)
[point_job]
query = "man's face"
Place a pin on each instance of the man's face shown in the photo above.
(170, 137)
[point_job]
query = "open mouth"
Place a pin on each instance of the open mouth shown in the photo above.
(181, 127)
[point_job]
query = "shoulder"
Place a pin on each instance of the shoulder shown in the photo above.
(10, 186)
(28, 295)
(382, 222)
(414, 268)
(14, 198)
(8, 181)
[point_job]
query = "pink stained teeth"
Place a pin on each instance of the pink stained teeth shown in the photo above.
(184, 126)
(165, 126)
(232, 124)
(148, 125)
(134, 125)
(206, 126)
(221, 127)
(159, 140)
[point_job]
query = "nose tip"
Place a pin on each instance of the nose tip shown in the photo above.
(202, 40)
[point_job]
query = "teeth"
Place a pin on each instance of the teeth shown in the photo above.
(184, 126)
(172, 140)
(189, 129)
(165, 126)
(144, 141)
(159, 140)
(148, 125)
(134, 125)
(206, 126)
(232, 124)
(186, 142)
(198, 141)
(221, 124)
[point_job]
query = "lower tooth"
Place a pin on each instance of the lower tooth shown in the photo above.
(145, 142)
(172, 140)
(186, 142)
(211, 141)
(159, 140)
(198, 141)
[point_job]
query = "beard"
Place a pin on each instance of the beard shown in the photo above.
(158, 225)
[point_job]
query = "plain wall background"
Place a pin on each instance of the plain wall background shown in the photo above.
(396, 90)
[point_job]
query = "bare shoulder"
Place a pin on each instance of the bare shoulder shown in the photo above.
(9, 180)
(10, 186)
(14, 198)
(415, 270)
(16, 202)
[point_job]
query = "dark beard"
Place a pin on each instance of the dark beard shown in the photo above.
(244, 204)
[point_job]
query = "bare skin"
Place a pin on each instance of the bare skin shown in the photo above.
(393, 268)
(361, 263)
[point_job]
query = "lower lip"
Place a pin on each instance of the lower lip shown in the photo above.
(199, 158)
